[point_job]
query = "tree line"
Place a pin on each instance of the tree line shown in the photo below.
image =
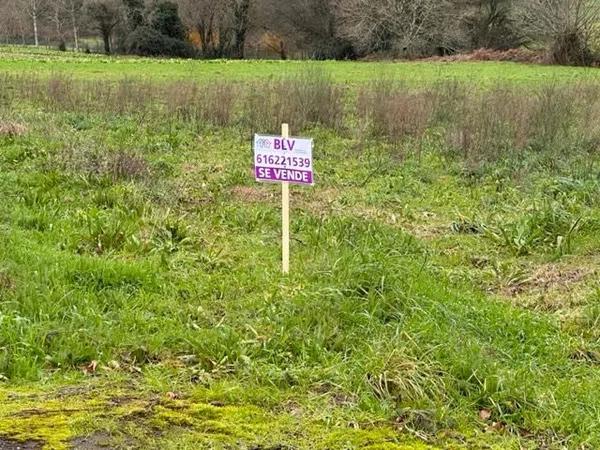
(569, 30)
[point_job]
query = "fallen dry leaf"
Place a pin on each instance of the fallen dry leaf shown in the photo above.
(485, 414)
(498, 426)
(90, 368)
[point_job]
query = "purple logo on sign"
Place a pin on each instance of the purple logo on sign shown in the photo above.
(263, 143)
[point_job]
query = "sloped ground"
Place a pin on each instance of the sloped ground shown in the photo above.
(433, 303)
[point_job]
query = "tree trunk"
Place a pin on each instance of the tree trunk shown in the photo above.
(76, 38)
(205, 29)
(35, 26)
(282, 50)
(75, 33)
(241, 17)
(57, 24)
(240, 46)
(106, 39)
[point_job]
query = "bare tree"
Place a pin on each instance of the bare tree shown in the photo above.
(57, 17)
(14, 21)
(73, 9)
(207, 18)
(65, 14)
(568, 26)
(222, 25)
(240, 26)
(35, 9)
(310, 24)
(490, 24)
(389, 25)
(106, 15)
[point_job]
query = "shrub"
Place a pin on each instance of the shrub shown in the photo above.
(146, 41)
(166, 21)
(571, 49)
(12, 129)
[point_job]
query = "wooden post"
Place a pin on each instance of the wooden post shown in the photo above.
(285, 214)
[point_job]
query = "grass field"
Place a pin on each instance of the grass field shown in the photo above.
(48, 62)
(444, 289)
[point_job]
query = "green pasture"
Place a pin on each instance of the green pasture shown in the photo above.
(436, 299)
(52, 62)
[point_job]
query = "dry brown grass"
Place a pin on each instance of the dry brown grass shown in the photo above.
(394, 112)
(486, 54)
(253, 194)
(502, 122)
(212, 103)
(103, 163)
(489, 125)
(480, 125)
(306, 100)
(125, 166)
(12, 129)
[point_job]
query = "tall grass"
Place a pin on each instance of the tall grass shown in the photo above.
(480, 125)
(393, 113)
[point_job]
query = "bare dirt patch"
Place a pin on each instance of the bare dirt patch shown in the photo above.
(70, 391)
(7, 282)
(556, 288)
(586, 356)
(426, 231)
(10, 444)
(549, 277)
(94, 441)
(252, 194)
(101, 440)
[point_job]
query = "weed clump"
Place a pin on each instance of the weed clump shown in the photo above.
(547, 227)
(393, 112)
(111, 166)
(12, 129)
(125, 166)
(308, 99)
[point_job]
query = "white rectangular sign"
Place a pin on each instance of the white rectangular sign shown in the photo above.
(281, 159)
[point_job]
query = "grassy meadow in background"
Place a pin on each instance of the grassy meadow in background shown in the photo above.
(444, 289)
(41, 61)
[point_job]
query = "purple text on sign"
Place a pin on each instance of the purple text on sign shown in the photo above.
(284, 144)
(289, 175)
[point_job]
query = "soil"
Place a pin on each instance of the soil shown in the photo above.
(9, 444)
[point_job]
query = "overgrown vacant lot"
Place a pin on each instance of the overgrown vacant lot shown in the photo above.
(444, 289)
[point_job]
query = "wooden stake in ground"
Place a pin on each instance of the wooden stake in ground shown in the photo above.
(285, 160)
(285, 214)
